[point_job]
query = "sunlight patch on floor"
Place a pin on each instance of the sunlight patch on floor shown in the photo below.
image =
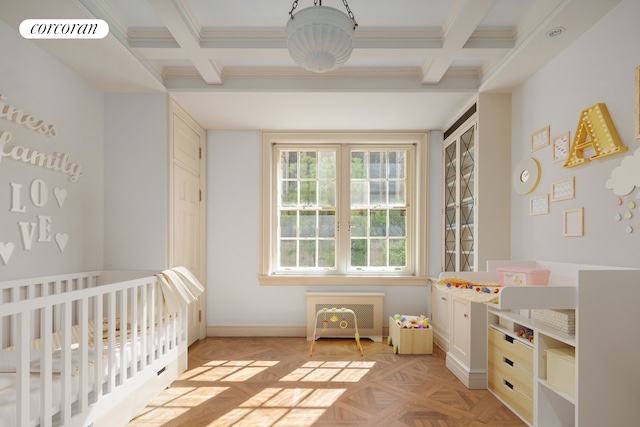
(335, 371)
(299, 407)
(229, 370)
(270, 407)
(281, 407)
(175, 401)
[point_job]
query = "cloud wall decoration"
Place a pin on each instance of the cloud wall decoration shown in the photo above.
(625, 177)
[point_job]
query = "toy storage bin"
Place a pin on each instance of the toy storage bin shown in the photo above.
(522, 276)
(561, 369)
(410, 341)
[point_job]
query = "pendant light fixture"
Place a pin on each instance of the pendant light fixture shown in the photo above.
(320, 38)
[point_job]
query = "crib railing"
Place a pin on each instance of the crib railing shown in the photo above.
(19, 289)
(91, 338)
(26, 289)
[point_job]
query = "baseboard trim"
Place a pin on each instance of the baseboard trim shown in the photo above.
(256, 331)
(472, 379)
(263, 331)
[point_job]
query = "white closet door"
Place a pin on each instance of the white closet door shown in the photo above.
(187, 224)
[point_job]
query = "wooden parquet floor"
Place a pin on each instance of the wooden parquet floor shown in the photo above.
(265, 382)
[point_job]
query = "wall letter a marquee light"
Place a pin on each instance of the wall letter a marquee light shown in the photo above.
(595, 130)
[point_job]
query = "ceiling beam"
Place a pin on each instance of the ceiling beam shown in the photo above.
(187, 36)
(463, 20)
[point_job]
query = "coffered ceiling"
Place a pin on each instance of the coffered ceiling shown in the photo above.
(415, 63)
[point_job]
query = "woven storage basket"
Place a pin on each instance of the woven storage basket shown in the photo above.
(560, 320)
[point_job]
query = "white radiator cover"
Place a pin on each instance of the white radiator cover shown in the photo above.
(367, 307)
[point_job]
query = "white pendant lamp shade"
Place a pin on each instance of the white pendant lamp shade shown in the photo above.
(320, 38)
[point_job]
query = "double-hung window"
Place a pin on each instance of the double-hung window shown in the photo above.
(343, 208)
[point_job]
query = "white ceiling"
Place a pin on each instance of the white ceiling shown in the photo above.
(416, 64)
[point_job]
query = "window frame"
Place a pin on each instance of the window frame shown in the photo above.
(416, 274)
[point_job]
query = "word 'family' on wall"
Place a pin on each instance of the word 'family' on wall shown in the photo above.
(38, 229)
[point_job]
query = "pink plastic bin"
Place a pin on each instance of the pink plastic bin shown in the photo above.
(517, 276)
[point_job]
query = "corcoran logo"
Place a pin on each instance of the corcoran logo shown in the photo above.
(64, 29)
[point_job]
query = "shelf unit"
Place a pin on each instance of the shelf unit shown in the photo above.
(510, 368)
(606, 370)
(553, 405)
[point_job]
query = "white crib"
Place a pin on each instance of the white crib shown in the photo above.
(86, 349)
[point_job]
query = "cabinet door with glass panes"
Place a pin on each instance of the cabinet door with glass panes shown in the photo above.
(459, 200)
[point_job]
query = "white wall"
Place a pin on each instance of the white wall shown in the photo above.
(39, 85)
(234, 295)
(598, 68)
(136, 181)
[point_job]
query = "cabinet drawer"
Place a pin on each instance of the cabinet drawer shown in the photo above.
(507, 369)
(511, 395)
(520, 354)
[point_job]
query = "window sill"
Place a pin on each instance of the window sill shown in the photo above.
(343, 280)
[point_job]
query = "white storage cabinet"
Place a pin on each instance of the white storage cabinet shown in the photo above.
(440, 313)
(467, 355)
(460, 329)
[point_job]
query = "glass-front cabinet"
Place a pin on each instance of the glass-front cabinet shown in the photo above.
(476, 185)
(460, 199)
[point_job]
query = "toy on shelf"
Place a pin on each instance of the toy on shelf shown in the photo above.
(454, 282)
(526, 334)
(480, 292)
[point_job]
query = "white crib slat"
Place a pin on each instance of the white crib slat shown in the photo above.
(111, 342)
(83, 339)
(123, 335)
(144, 331)
(46, 393)
(160, 322)
(152, 316)
(65, 375)
(98, 327)
(57, 289)
(164, 322)
(22, 368)
(134, 329)
(179, 330)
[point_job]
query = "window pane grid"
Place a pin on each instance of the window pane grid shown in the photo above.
(378, 223)
(307, 221)
(378, 238)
